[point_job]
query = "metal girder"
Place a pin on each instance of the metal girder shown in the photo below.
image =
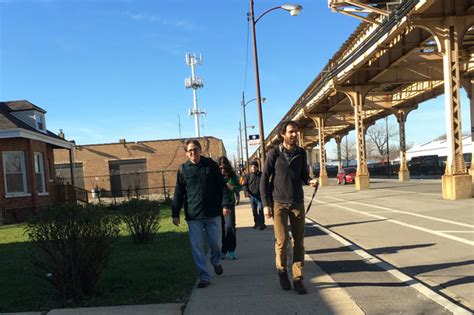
(367, 11)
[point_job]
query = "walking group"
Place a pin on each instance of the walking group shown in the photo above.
(209, 191)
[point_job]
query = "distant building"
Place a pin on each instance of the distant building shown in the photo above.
(130, 167)
(440, 148)
(26, 159)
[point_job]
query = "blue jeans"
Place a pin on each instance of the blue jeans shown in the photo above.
(212, 228)
(257, 210)
(229, 240)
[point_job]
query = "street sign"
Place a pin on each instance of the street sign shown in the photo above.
(254, 139)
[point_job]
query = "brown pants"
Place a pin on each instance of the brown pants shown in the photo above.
(296, 213)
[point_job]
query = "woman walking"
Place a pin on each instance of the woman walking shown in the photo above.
(229, 241)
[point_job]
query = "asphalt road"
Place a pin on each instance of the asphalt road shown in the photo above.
(396, 248)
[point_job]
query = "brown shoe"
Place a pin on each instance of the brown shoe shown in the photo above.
(284, 281)
(299, 286)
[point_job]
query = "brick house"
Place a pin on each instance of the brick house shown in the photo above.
(118, 169)
(26, 159)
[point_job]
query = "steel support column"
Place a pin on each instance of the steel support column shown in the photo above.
(320, 120)
(357, 96)
(309, 154)
(471, 103)
(456, 181)
(404, 172)
(339, 155)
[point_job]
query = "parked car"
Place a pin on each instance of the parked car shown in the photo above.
(347, 176)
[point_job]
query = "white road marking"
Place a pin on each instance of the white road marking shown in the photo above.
(411, 192)
(404, 212)
(457, 231)
(415, 227)
(409, 281)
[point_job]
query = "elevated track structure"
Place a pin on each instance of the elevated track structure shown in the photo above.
(402, 54)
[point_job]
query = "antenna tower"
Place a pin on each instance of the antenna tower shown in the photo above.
(194, 82)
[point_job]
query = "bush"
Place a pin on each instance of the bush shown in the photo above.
(142, 218)
(74, 244)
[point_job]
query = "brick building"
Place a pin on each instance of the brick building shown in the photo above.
(119, 169)
(26, 159)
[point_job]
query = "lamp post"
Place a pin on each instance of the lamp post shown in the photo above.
(244, 105)
(294, 10)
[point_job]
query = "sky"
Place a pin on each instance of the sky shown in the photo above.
(105, 70)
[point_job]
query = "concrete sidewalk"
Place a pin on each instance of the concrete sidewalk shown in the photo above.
(250, 284)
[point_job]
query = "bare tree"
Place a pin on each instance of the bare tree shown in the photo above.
(376, 147)
(348, 149)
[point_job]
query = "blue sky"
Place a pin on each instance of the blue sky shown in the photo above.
(110, 69)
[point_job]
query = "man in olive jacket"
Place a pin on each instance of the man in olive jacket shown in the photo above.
(202, 190)
(286, 167)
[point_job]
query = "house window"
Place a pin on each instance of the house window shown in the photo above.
(39, 173)
(15, 172)
(40, 123)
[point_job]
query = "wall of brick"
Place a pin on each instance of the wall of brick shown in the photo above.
(17, 208)
(163, 159)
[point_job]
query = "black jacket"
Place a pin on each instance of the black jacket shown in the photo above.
(252, 183)
(287, 177)
(201, 189)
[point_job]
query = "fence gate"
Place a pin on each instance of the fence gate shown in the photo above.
(127, 175)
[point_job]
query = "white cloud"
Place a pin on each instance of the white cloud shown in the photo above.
(177, 23)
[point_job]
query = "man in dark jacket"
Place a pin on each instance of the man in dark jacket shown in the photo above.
(287, 168)
(202, 190)
(252, 185)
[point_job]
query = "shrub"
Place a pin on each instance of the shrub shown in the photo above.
(142, 218)
(74, 243)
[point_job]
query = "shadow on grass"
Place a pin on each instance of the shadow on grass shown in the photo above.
(159, 272)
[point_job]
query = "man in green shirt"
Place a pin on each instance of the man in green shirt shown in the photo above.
(201, 189)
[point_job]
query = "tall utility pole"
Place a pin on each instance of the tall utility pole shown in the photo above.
(194, 82)
(245, 132)
(347, 151)
(241, 145)
(388, 147)
(239, 153)
(179, 125)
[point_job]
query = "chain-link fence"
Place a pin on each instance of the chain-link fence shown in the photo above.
(121, 185)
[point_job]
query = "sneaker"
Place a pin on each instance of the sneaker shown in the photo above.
(263, 227)
(284, 281)
(299, 286)
(255, 226)
(223, 255)
(203, 284)
(218, 269)
(232, 256)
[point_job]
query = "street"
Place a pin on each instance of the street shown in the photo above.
(396, 248)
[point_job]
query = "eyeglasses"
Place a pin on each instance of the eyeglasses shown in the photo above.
(193, 150)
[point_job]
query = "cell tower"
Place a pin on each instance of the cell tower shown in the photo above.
(194, 82)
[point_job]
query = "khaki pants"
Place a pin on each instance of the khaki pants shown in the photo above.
(296, 213)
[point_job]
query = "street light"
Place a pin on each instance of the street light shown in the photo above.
(244, 104)
(294, 10)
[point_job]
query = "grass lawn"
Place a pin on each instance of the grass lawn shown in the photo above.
(159, 272)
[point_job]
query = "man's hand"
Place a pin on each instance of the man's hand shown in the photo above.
(268, 212)
(225, 211)
(230, 187)
(176, 221)
(313, 182)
